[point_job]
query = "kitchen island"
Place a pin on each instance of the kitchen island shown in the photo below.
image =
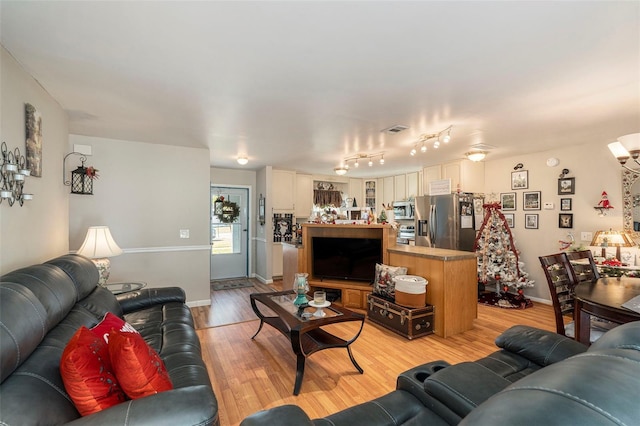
(452, 283)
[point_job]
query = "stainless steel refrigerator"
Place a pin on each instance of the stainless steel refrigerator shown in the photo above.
(447, 221)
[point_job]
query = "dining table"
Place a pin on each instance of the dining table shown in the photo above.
(604, 298)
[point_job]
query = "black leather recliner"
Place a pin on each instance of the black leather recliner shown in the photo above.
(561, 383)
(42, 306)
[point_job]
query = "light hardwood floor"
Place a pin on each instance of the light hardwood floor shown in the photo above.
(250, 375)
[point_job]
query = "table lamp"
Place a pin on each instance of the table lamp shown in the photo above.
(612, 238)
(99, 246)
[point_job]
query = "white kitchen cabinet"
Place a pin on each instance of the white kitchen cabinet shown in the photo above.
(465, 175)
(356, 191)
(400, 188)
(304, 195)
(277, 263)
(388, 190)
(413, 184)
(430, 174)
(283, 186)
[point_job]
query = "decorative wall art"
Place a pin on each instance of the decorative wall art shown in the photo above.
(510, 220)
(508, 201)
(566, 186)
(531, 221)
(520, 179)
(531, 200)
(565, 204)
(33, 123)
(261, 211)
(565, 220)
(282, 227)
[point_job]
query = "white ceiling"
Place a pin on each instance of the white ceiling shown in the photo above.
(301, 85)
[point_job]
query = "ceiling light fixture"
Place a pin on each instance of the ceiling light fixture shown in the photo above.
(242, 160)
(626, 146)
(443, 135)
(476, 155)
(344, 167)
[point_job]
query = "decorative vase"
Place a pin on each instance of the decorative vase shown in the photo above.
(301, 287)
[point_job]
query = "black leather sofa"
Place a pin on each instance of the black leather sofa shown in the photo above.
(537, 378)
(42, 306)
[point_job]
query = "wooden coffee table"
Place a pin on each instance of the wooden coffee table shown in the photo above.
(302, 328)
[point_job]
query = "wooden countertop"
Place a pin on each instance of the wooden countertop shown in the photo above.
(432, 253)
(345, 225)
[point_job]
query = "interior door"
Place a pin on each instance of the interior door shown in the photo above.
(229, 232)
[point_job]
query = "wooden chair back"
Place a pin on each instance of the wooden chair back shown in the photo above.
(583, 265)
(561, 280)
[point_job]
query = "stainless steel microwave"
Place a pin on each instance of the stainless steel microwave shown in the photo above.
(403, 210)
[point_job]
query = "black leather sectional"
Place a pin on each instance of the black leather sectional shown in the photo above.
(536, 378)
(42, 306)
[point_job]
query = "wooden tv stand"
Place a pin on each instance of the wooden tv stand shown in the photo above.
(354, 293)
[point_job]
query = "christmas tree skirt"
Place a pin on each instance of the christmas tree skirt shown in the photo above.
(504, 300)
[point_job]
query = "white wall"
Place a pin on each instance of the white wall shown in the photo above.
(37, 231)
(146, 193)
(595, 170)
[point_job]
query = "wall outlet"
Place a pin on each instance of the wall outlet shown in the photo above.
(549, 206)
(184, 233)
(586, 236)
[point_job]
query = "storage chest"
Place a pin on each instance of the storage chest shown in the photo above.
(408, 322)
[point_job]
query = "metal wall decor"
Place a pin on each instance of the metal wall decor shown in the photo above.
(13, 171)
(81, 178)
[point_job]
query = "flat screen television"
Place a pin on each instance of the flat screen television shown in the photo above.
(345, 258)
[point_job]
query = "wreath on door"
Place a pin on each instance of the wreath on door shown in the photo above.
(226, 211)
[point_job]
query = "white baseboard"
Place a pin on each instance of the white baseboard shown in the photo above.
(537, 299)
(262, 279)
(196, 303)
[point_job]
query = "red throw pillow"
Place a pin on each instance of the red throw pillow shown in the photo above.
(103, 328)
(139, 369)
(87, 374)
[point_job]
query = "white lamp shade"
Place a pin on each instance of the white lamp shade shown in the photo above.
(630, 142)
(99, 243)
(618, 150)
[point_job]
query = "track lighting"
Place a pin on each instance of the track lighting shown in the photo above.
(443, 135)
(344, 167)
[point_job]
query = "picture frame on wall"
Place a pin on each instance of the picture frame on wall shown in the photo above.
(510, 219)
(565, 220)
(520, 179)
(532, 200)
(565, 204)
(531, 221)
(508, 201)
(566, 186)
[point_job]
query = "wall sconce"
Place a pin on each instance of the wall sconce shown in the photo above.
(518, 166)
(13, 172)
(81, 178)
(564, 173)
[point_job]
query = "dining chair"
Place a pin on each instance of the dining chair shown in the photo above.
(562, 280)
(583, 265)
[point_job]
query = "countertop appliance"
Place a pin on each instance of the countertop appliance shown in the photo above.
(446, 221)
(403, 210)
(406, 234)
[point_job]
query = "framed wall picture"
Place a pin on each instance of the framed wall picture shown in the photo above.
(520, 179)
(565, 220)
(531, 200)
(566, 186)
(511, 221)
(565, 204)
(508, 201)
(261, 212)
(531, 221)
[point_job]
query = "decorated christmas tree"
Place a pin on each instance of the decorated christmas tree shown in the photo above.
(498, 261)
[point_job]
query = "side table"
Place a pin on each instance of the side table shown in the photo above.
(124, 287)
